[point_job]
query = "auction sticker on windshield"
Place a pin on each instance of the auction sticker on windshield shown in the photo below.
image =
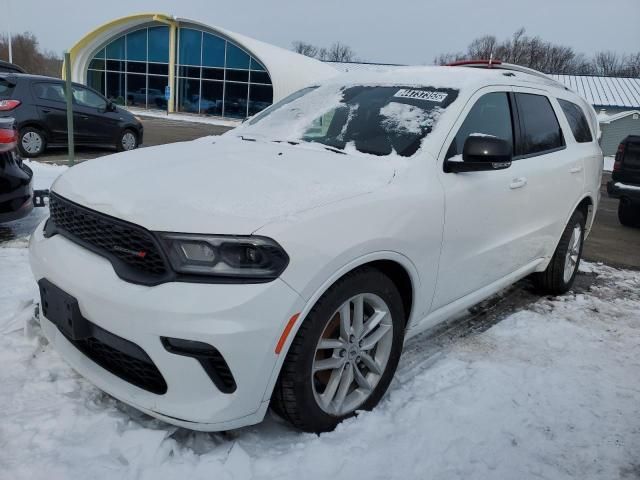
(421, 95)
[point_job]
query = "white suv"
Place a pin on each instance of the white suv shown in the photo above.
(286, 262)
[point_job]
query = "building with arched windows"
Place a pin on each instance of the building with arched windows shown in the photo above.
(156, 61)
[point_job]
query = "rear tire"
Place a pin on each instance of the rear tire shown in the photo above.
(31, 142)
(303, 392)
(629, 213)
(561, 272)
(128, 140)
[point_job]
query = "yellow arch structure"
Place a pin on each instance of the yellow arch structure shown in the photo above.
(93, 37)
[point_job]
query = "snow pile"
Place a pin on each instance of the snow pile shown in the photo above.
(608, 164)
(401, 117)
(183, 117)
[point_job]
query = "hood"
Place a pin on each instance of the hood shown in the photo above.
(219, 185)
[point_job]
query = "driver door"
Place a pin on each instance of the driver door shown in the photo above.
(484, 236)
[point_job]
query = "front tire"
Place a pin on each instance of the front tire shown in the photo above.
(344, 355)
(31, 142)
(128, 140)
(561, 272)
(629, 213)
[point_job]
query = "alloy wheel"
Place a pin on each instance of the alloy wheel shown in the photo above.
(352, 354)
(573, 253)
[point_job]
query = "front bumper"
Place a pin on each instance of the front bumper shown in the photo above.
(619, 190)
(243, 322)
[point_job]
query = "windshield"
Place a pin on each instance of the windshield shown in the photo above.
(379, 120)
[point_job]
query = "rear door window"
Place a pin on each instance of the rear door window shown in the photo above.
(577, 121)
(54, 92)
(540, 130)
(490, 116)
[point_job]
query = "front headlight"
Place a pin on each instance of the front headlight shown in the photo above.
(233, 257)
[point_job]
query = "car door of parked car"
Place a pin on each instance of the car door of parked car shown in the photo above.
(484, 236)
(52, 108)
(551, 164)
(95, 125)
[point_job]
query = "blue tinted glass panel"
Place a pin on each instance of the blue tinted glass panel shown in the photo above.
(236, 58)
(213, 51)
(100, 54)
(190, 46)
(235, 99)
(255, 65)
(115, 50)
(189, 95)
(159, 44)
(96, 80)
(155, 92)
(137, 45)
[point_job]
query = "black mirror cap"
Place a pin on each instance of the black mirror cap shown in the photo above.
(486, 149)
(481, 153)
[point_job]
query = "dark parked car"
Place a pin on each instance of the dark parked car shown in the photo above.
(625, 181)
(39, 107)
(15, 178)
(10, 67)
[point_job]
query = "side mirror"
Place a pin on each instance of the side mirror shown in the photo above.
(480, 154)
(110, 107)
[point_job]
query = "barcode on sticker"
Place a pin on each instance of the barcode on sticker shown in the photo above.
(421, 95)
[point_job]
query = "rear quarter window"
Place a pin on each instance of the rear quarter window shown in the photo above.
(577, 121)
(540, 129)
(6, 88)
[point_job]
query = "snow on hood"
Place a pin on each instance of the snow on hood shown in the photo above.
(220, 185)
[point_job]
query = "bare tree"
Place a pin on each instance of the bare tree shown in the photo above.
(607, 63)
(338, 52)
(27, 54)
(304, 48)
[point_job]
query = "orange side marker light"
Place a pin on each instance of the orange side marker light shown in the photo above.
(286, 331)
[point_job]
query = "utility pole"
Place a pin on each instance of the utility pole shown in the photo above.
(9, 30)
(69, 95)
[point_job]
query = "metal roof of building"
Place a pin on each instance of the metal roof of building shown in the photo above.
(620, 92)
(600, 91)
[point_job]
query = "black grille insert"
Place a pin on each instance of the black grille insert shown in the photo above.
(134, 251)
(123, 358)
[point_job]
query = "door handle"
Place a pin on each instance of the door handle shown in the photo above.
(46, 110)
(577, 169)
(518, 183)
(84, 117)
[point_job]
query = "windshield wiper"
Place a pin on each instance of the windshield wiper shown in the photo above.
(335, 150)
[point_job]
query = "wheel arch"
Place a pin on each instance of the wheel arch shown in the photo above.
(396, 266)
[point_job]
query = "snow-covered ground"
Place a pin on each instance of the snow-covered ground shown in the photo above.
(141, 112)
(608, 163)
(551, 391)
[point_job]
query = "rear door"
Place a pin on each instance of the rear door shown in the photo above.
(52, 108)
(551, 163)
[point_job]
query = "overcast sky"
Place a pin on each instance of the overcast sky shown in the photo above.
(391, 31)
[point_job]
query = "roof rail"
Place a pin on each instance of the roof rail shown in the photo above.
(497, 64)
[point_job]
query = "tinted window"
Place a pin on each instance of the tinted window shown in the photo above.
(53, 92)
(6, 88)
(540, 128)
(87, 98)
(577, 121)
(491, 115)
